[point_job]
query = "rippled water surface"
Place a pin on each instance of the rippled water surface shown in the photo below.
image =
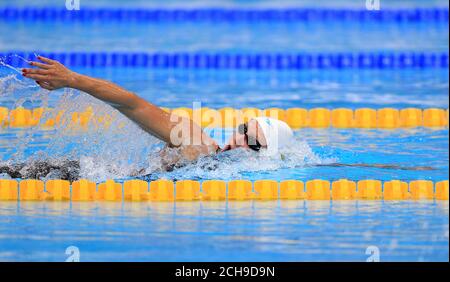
(233, 231)
(407, 149)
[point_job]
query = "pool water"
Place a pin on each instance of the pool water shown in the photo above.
(100, 160)
(233, 231)
(220, 231)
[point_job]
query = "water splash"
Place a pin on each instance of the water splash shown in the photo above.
(10, 84)
(124, 149)
(18, 70)
(233, 164)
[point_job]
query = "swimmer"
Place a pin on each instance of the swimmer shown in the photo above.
(258, 134)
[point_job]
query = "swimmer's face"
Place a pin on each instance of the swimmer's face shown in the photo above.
(251, 139)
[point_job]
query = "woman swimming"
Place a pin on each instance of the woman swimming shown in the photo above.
(186, 141)
(259, 133)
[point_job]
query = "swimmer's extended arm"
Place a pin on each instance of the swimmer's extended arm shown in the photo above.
(53, 75)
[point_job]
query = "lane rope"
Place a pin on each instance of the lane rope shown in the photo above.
(297, 118)
(218, 190)
(224, 15)
(251, 61)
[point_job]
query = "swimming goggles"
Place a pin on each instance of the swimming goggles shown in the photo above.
(252, 142)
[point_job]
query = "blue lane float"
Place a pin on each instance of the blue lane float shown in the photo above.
(256, 61)
(223, 15)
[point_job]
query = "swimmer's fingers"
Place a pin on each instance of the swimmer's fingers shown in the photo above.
(40, 65)
(47, 60)
(52, 72)
(35, 71)
(36, 77)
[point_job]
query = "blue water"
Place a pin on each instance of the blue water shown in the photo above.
(406, 148)
(237, 231)
(261, 89)
(250, 231)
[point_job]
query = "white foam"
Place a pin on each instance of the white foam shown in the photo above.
(232, 164)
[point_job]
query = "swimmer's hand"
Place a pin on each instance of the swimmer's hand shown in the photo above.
(49, 74)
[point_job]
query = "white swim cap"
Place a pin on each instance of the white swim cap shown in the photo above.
(276, 132)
